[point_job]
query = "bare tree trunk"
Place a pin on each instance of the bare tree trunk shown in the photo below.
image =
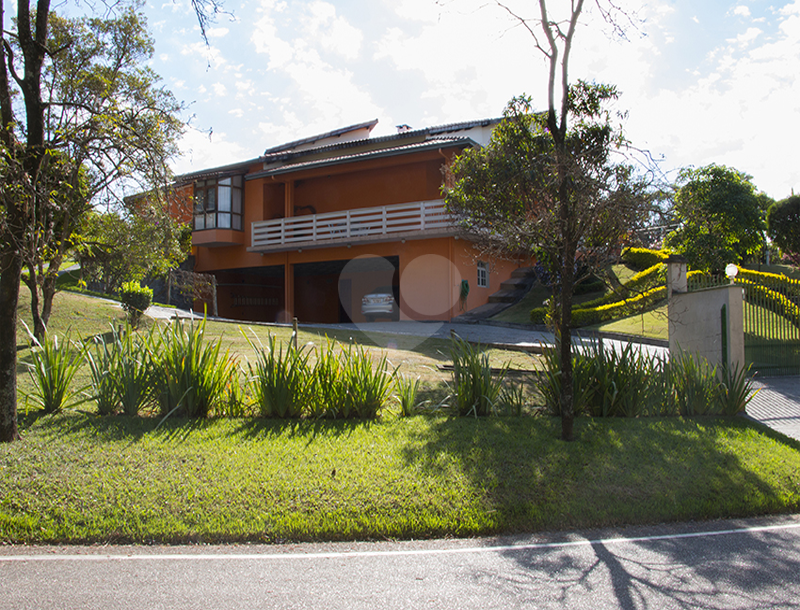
(32, 284)
(565, 346)
(10, 273)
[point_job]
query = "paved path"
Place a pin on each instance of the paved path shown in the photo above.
(777, 404)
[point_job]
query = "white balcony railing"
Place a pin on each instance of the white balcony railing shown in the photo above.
(359, 225)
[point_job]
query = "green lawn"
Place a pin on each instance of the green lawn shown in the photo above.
(81, 317)
(78, 477)
(81, 478)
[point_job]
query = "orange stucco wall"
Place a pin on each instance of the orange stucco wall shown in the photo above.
(426, 273)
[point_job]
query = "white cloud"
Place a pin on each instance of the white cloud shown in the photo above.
(209, 53)
(303, 52)
(201, 151)
(334, 32)
(742, 11)
(736, 112)
(219, 89)
(747, 37)
(217, 32)
(245, 89)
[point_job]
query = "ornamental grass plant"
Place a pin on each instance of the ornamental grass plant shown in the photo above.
(367, 385)
(632, 383)
(53, 368)
(476, 389)
(190, 376)
(281, 380)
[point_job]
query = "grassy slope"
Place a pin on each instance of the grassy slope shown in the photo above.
(81, 317)
(86, 479)
(77, 477)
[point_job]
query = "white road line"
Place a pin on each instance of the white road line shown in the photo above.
(390, 553)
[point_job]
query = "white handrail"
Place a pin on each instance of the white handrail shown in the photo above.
(359, 223)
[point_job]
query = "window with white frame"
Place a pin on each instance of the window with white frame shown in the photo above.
(483, 275)
(218, 203)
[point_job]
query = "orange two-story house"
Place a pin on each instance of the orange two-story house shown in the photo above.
(310, 227)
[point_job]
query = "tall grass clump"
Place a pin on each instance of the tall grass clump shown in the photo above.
(631, 383)
(328, 392)
(367, 386)
(190, 376)
(407, 390)
(122, 371)
(475, 389)
(281, 380)
(53, 368)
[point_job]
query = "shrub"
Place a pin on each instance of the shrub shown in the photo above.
(190, 377)
(135, 301)
(475, 389)
(612, 311)
(53, 369)
(539, 315)
(643, 258)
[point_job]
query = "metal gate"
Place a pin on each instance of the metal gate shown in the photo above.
(771, 323)
(771, 319)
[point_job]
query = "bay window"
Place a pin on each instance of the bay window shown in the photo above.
(218, 203)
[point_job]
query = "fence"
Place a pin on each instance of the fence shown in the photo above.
(771, 319)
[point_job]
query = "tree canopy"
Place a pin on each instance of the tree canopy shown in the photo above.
(564, 154)
(564, 200)
(783, 226)
(720, 216)
(81, 116)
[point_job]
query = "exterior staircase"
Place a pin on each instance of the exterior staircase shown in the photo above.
(511, 291)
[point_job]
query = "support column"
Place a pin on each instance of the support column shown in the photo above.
(288, 199)
(288, 291)
(677, 280)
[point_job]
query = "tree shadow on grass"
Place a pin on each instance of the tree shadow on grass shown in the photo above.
(258, 429)
(617, 472)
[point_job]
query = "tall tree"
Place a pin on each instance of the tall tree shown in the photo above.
(111, 125)
(117, 247)
(720, 215)
(563, 155)
(77, 112)
(783, 226)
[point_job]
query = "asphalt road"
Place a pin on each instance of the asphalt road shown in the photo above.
(753, 563)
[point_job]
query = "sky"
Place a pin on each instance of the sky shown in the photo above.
(702, 82)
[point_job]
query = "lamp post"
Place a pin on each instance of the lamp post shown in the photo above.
(731, 271)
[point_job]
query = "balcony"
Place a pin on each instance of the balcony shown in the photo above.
(422, 219)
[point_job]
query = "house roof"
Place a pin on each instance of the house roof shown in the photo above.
(369, 126)
(401, 149)
(302, 154)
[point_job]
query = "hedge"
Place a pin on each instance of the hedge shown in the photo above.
(643, 258)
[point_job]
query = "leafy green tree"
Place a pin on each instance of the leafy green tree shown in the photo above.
(720, 215)
(78, 109)
(117, 248)
(109, 122)
(547, 182)
(783, 226)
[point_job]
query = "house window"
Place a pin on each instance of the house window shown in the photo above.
(218, 204)
(483, 275)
